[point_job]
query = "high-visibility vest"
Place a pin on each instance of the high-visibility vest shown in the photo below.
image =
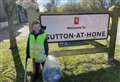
(37, 50)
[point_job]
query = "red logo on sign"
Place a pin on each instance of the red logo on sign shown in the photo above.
(76, 20)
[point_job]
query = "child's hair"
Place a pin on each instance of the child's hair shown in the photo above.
(38, 22)
(35, 22)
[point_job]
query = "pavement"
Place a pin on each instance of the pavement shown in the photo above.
(21, 31)
(24, 31)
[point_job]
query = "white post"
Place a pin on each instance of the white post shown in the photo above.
(118, 34)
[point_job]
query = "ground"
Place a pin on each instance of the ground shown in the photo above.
(75, 68)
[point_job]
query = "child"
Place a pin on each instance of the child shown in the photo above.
(37, 48)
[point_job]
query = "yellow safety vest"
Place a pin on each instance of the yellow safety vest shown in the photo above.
(37, 51)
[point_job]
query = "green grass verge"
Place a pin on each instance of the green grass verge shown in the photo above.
(79, 68)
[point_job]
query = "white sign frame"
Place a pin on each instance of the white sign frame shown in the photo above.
(48, 19)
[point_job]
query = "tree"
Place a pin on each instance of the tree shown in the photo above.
(93, 5)
(99, 5)
(51, 6)
(32, 9)
(71, 8)
(83, 6)
(10, 8)
(115, 2)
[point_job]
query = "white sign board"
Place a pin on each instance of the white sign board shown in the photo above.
(75, 27)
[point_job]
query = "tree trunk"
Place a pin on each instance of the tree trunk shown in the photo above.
(11, 30)
(13, 43)
(10, 10)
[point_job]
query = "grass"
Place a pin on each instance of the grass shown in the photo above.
(79, 68)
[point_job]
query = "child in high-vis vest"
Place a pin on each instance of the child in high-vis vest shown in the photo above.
(37, 48)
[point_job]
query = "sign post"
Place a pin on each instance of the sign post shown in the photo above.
(82, 27)
(113, 33)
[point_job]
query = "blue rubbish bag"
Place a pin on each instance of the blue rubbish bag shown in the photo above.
(52, 71)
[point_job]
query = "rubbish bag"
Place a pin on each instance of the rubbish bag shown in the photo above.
(52, 70)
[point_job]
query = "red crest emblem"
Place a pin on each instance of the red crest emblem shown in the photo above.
(76, 20)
